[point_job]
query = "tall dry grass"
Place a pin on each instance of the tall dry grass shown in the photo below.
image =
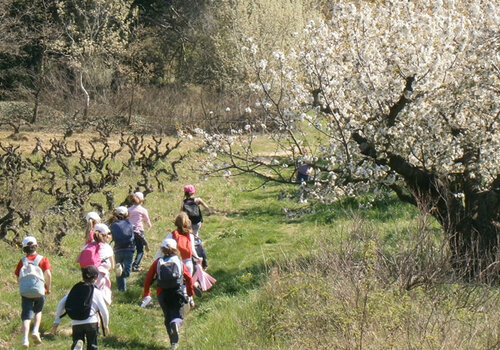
(359, 293)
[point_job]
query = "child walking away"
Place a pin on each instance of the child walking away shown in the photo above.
(34, 275)
(137, 215)
(92, 219)
(191, 206)
(171, 275)
(123, 236)
(185, 241)
(100, 254)
(83, 304)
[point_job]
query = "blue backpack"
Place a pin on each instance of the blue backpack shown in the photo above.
(123, 233)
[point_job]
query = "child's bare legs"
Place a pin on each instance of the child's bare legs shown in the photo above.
(35, 333)
(25, 328)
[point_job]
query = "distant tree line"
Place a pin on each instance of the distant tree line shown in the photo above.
(165, 62)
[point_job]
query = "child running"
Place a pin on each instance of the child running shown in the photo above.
(33, 270)
(124, 246)
(171, 275)
(92, 219)
(137, 215)
(104, 259)
(191, 206)
(185, 241)
(85, 328)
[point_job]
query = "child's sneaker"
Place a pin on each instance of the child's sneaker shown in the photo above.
(78, 345)
(174, 333)
(197, 289)
(25, 343)
(174, 346)
(118, 270)
(36, 338)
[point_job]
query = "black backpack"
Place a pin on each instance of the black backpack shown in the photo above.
(192, 210)
(169, 273)
(79, 301)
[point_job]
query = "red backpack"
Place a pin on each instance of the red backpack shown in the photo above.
(90, 255)
(183, 244)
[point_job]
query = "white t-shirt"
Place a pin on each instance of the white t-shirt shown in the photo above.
(106, 252)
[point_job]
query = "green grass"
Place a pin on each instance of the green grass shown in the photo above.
(289, 276)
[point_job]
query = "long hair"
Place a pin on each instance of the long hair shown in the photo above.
(99, 237)
(133, 199)
(183, 223)
(169, 251)
(90, 225)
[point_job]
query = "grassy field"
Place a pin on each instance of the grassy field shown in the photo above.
(290, 276)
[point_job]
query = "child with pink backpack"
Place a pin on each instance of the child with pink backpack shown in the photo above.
(100, 254)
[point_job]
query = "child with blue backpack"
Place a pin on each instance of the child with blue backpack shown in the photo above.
(171, 275)
(122, 232)
(34, 275)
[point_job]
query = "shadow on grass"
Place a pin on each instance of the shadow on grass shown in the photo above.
(112, 342)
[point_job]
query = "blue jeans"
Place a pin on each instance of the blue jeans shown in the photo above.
(124, 257)
(139, 247)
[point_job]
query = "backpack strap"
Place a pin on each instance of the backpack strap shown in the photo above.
(38, 259)
(35, 261)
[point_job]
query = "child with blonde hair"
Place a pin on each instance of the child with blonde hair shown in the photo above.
(137, 215)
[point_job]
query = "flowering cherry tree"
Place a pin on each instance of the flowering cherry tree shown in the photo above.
(403, 95)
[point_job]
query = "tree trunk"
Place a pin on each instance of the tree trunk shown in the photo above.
(86, 95)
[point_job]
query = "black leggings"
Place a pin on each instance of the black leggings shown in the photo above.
(86, 330)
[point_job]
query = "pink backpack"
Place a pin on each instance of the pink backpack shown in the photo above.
(90, 255)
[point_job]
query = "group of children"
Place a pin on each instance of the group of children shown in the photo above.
(180, 254)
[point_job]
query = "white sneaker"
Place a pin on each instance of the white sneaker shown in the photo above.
(78, 345)
(146, 301)
(25, 343)
(118, 270)
(36, 338)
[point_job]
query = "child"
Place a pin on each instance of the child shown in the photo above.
(32, 306)
(185, 241)
(137, 214)
(191, 205)
(92, 219)
(171, 298)
(107, 261)
(88, 328)
(124, 246)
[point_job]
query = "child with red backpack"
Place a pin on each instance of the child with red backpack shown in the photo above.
(34, 276)
(172, 279)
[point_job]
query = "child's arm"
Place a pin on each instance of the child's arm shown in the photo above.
(103, 310)
(146, 218)
(113, 263)
(204, 205)
(149, 278)
(48, 280)
(59, 312)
